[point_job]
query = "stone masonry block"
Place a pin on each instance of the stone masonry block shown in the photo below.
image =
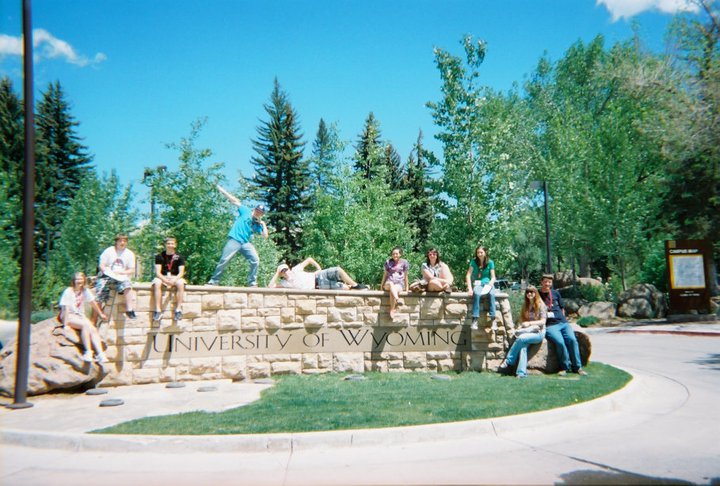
(305, 307)
(235, 300)
(286, 368)
(275, 301)
(213, 302)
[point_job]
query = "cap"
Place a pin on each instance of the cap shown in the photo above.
(282, 268)
(260, 207)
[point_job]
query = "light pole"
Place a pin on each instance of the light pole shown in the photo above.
(23, 341)
(537, 185)
(149, 179)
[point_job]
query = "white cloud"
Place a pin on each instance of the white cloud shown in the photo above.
(628, 8)
(10, 46)
(47, 46)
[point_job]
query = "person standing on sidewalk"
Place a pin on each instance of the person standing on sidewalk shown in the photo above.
(248, 222)
(169, 272)
(558, 329)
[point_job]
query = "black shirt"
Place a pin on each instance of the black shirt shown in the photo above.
(554, 304)
(169, 264)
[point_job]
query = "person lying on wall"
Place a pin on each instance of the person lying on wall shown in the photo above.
(297, 277)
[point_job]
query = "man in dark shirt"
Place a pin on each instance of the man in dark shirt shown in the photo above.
(169, 271)
(558, 329)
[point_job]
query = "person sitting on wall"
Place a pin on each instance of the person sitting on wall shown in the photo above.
(169, 272)
(531, 331)
(333, 278)
(559, 331)
(480, 282)
(395, 278)
(436, 274)
(117, 266)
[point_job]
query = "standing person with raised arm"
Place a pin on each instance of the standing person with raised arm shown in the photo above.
(248, 222)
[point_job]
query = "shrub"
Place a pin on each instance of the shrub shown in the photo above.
(587, 321)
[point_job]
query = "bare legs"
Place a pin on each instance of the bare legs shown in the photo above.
(395, 299)
(89, 336)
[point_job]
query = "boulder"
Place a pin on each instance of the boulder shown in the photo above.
(55, 362)
(573, 305)
(642, 301)
(602, 310)
(563, 279)
(542, 356)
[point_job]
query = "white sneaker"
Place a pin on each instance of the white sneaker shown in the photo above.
(101, 358)
(87, 357)
(474, 325)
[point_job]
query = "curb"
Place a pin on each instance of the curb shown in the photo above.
(306, 441)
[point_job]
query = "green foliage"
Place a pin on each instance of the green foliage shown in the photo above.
(326, 157)
(189, 207)
(417, 182)
(587, 321)
(590, 293)
(62, 164)
(369, 153)
(282, 177)
(11, 162)
(654, 269)
(357, 227)
(328, 402)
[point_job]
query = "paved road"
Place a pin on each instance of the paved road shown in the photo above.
(663, 427)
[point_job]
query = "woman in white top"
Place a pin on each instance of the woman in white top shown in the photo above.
(436, 274)
(531, 331)
(72, 314)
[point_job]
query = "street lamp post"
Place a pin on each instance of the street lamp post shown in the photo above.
(538, 185)
(149, 178)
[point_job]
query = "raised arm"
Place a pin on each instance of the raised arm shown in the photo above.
(306, 262)
(235, 201)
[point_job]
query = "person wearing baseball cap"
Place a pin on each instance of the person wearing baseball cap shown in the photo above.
(333, 278)
(248, 222)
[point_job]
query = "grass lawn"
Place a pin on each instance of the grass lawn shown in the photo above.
(328, 402)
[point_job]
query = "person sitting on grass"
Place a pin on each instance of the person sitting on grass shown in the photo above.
(531, 331)
(169, 271)
(333, 278)
(436, 274)
(73, 302)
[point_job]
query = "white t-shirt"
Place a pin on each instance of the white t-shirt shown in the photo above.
(114, 262)
(75, 303)
(298, 279)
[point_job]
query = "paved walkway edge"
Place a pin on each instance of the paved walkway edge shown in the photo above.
(290, 442)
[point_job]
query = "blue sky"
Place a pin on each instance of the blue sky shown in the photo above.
(138, 73)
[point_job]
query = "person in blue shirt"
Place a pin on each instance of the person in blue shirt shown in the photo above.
(248, 222)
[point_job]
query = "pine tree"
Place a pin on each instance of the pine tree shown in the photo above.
(393, 163)
(325, 160)
(11, 162)
(62, 163)
(369, 150)
(282, 177)
(421, 212)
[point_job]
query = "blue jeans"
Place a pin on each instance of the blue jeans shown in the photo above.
(231, 248)
(566, 346)
(476, 301)
(518, 351)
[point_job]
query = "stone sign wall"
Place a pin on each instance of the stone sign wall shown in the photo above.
(250, 333)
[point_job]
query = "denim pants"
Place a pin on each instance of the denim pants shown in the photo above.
(518, 351)
(476, 301)
(566, 346)
(231, 248)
